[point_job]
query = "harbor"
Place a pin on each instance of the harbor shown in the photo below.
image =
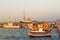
(22, 34)
(30, 30)
(29, 19)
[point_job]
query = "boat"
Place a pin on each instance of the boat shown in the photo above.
(39, 32)
(26, 21)
(11, 25)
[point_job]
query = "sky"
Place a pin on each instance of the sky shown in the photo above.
(46, 10)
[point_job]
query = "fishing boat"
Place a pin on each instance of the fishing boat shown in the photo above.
(11, 25)
(43, 31)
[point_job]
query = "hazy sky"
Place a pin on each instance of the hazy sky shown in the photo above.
(35, 9)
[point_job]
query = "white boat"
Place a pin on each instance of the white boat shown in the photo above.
(11, 25)
(28, 20)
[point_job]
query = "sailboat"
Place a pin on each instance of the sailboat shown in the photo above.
(25, 22)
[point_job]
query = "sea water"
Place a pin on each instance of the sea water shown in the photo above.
(22, 34)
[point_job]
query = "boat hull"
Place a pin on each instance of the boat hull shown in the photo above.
(11, 26)
(39, 34)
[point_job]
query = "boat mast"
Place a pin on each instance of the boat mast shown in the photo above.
(15, 19)
(24, 14)
(9, 19)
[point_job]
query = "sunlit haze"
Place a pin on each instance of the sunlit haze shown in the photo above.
(48, 10)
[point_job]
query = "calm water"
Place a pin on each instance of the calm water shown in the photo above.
(21, 34)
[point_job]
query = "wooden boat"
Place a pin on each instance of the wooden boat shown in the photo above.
(11, 25)
(39, 32)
